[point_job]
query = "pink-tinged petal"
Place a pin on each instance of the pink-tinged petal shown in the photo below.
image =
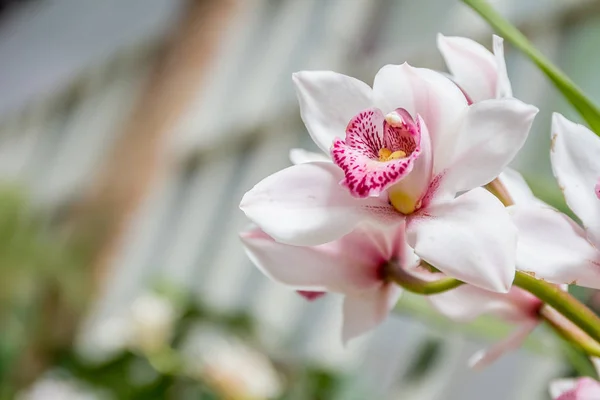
(473, 67)
(467, 302)
(329, 100)
(311, 296)
(558, 387)
(422, 92)
(503, 86)
(414, 186)
(301, 156)
(554, 247)
(471, 238)
(305, 205)
(347, 265)
(492, 133)
(575, 389)
(483, 358)
(390, 241)
(575, 159)
(517, 187)
(365, 311)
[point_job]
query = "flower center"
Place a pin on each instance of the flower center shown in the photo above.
(597, 188)
(378, 151)
(403, 202)
(386, 154)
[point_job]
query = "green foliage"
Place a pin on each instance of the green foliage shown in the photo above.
(42, 287)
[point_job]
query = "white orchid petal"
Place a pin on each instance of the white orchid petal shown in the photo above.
(575, 159)
(503, 86)
(329, 100)
(423, 92)
(517, 187)
(305, 205)
(468, 302)
(345, 265)
(301, 156)
(554, 247)
(364, 311)
(392, 89)
(471, 238)
(472, 66)
(492, 133)
(483, 358)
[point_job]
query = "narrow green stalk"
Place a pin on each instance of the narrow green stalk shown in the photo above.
(562, 302)
(569, 331)
(583, 104)
(414, 284)
(570, 319)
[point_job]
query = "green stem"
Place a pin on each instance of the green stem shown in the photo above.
(562, 302)
(577, 317)
(569, 331)
(413, 284)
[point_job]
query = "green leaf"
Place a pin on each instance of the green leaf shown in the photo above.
(584, 105)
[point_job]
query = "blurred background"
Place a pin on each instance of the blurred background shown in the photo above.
(130, 129)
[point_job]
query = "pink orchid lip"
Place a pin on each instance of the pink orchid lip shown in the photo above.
(597, 189)
(378, 150)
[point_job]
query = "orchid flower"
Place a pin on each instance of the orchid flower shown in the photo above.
(412, 143)
(577, 389)
(480, 74)
(353, 265)
(551, 245)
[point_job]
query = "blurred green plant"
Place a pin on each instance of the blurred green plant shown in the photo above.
(45, 289)
(42, 290)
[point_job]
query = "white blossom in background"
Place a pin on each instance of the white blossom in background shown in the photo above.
(57, 387)
(234, 369)
(152, 322)
(104, 339)
(146, 325)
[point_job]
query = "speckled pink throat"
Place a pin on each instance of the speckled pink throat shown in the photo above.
(378, 150)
